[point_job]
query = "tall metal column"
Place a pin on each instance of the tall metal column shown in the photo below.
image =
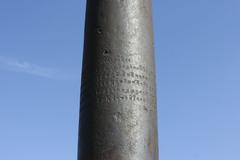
(118, 119)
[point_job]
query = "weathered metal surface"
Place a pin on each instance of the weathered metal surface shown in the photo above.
(118, 93)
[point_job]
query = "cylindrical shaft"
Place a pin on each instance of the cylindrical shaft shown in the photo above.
(118, 93)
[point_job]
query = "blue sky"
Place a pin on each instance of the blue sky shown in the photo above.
(198, 75)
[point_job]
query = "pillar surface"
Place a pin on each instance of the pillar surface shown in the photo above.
(118, 92)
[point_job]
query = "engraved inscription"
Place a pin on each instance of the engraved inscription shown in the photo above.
(122, 79)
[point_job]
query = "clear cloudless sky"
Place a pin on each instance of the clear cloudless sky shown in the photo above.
(198, 74)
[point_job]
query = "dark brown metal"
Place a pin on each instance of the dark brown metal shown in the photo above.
(118, 94)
